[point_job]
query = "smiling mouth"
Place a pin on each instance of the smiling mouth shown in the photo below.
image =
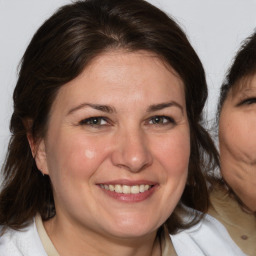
(126, 189)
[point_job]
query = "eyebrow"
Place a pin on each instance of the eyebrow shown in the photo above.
(161, 106)
(103, 108)
(109, 109)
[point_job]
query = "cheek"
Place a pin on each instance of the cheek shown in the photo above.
(76, 156)
(173, 157)
(237, 135)
(174, 153)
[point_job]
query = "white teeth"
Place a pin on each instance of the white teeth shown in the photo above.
(125, 189)
(147, 187)
(135, 189)
(142, 188)
(118, 189)
(111, 187)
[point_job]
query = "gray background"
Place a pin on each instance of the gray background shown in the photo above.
(214, 27)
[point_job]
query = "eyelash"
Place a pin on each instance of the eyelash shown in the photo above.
(90, 121)
(155, 120)
(169, 120)
(248, 101)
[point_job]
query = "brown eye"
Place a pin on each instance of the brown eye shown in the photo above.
(161, 120)
(94, 121)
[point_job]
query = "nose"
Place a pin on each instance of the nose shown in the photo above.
(131, 151)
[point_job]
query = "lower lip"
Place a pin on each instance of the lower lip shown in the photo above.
(130, 198)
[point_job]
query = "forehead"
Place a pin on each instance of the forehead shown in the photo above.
(245, 85)
(118, 74)
(114, 54)
(124, 62)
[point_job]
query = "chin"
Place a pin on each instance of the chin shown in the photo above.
(131, 233)
(132, 228)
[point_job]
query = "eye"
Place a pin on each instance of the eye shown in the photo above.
(248, 101)
(94, 121)
(161, 120)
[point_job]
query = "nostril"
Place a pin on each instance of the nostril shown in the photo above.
(134, 167)
(131, 151)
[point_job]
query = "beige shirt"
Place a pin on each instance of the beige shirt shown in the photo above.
(45, 239)
(166, 243)
(240, 225)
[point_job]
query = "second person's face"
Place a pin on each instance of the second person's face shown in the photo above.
(118, 146)
(237, 139)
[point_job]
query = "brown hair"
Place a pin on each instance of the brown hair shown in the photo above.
(243, 66)
(59, 51)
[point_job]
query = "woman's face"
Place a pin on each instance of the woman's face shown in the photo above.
(237, 138)
(118, 145)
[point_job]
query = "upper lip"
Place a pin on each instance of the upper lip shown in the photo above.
(128, 182)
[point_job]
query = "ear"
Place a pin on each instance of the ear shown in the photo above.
(37, 148)
(41, 157)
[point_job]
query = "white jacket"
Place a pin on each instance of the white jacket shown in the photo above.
(209, 237)
(22, 243)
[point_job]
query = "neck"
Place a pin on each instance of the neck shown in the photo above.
(75, 240)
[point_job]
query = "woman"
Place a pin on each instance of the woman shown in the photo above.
(106, 135)
(233, 200)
